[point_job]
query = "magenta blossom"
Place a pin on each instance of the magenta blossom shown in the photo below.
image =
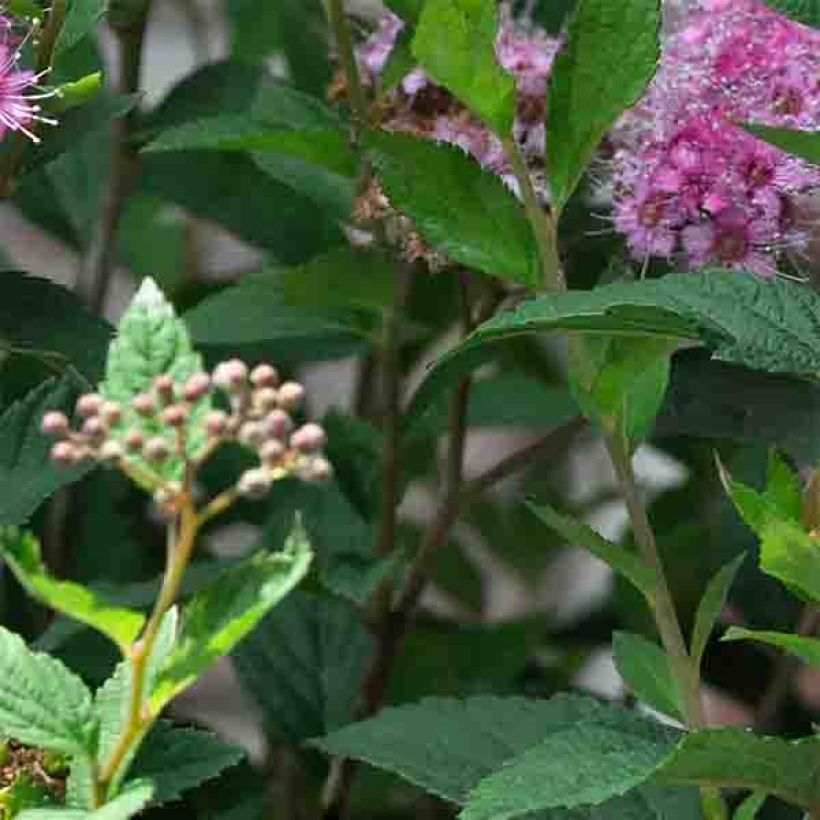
(19, 88)
(688, 181)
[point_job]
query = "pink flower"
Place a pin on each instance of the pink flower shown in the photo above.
(687, 180)
(19, 88)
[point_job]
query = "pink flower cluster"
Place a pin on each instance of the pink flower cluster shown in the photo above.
(19, 87)
(422, 107)
(689, 183)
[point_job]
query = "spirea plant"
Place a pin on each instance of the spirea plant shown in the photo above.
(549, 268)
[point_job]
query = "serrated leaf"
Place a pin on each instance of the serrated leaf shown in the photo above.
(461, 209)
(21, 550)
(42, 703)
(805, 648)
(220, 616)
(38, 316)
(764, 325)
(620, 559)
(174, 759)
(455, 43)
(133, 799)
(448, 746)
(80, 21)
(587, 763)
(784, 490)
(151, 340)
(804, 144)
(304, 665)
(710, 607)
(27, 475)
(736, 758)
(611, 53)
(644, 666)
(804, 11)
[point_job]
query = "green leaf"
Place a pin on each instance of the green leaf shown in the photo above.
(763, 325)
(710, 607)
(42, 703)
(735, 758)
(21, 550)
(804, 11)
(38, 316)
(174, 759)
(784, 490)
(133, 799)
(220, 616)
(807, 649)
(304, 665)
(27, 476)
(620, 559)
(461, 209)
(151, 340)
(455, 43)
(611, 54)
(622, 383)
(408, 10)
(644, 667)
(589, 762)
(804, 144)
(81, 19)
(750, 807)
(448, 746)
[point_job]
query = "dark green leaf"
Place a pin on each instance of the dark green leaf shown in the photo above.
(130, 802)
(804, 11)
(455, 43)
(408, 10)
(644, 667)
(807, 649)
(81, 19)
(805, 144)
(611, 54)
(464, 211)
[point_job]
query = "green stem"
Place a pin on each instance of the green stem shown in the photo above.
(347, 58)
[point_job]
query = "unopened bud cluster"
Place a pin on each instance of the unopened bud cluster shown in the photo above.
(166, 421)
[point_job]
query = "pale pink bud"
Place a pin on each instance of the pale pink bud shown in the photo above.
(111, 450)
(175, 416)
(196, 387)
(264, 375)
(55, 424)
(144, 404)
(309, 438)
(266, 398)
(164, 388)
(93, 428)
(156, 449)
(252, 433)
(271, 451)
(277, 424)
(111, 413)
(134, 440)
(89, 405)
(254, 483)
(318, 470)
(231, 376)
(291, 395)
(215, 423)
(63, 453)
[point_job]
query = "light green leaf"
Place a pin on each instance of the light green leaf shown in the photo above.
(304, 665)
(174, 759)
(804, 11)
(151, 340)
(644, 667)
(21, 550)
(620, 559)
(80, 21)
(763, 325)
(220, 616)
(27, 475)
(408, 10)
(458, 207)
(807, 649)
(455, 43)
(783, 488)
(133, 799)
(622, 383)
(710, 607)
(611, 54)
(42, 703)
(750, 807)
(735, 758)
(589, 762)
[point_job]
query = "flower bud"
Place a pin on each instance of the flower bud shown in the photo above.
(265, 399)
(196, 387)
(64, 454)
(144, 404)
(318, 470)
(252, 433)
(111, 413)
(94, 429)
(308, 438)
(277, 424)
(134, 440)
(55, 424)
(291, 395)
(264, 375)
(271, 452)
(175, 416)
(254, 483)
(111, 450)
(231, 376)
(156, 449)
(215, 423)
(89, 404)
(164, 388)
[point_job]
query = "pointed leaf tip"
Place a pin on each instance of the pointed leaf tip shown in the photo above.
(150, 297)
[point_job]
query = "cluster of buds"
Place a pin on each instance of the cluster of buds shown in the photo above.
(174, 422)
